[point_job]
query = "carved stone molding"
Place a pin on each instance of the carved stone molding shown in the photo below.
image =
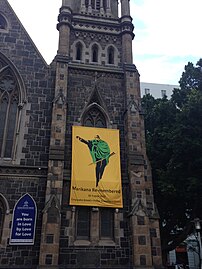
(84, 72)
(22, 172)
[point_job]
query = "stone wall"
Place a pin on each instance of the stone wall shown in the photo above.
(81, 90)
(18, 47)
(30, 181)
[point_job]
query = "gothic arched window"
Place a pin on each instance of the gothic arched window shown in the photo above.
(110, 55)
(9, 100)
(95, 53)
(2, 216)
(79, 51)
(3, 23)
(94, 118)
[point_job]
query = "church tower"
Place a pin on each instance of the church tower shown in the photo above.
(97, 85)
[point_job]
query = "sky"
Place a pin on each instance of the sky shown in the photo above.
(167, 34)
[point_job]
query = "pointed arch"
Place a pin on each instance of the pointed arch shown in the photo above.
(3, 23)
(12, 98)
(95, 51)
(110, 54)
(95, 111)
(53, 214)
(52, 209)
(4, 210)
(79, 51)
(5, 202)
(95, 116)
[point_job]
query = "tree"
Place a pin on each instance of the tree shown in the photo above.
(174, 146)
(191, 79)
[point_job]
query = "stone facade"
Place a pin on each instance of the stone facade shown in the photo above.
(93, 72)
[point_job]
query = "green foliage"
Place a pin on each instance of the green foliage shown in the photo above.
(174, 147)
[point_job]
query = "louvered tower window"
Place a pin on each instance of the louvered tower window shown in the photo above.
(98, 4)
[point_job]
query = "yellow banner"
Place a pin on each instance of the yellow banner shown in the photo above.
(96, 172)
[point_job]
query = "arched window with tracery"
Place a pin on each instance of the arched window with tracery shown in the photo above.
(9, 101)
(95, 53)
(94, 118)
(79, 50)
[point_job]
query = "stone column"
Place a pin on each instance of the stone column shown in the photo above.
(83, 6)
(51, 226)
(63, 27)
(51, 222)
(101, 7)
(127, 32)
(125, 8)
(90, 6)
(139, 177)
(108, 8)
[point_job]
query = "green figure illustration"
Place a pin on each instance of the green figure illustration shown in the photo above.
(100, 153)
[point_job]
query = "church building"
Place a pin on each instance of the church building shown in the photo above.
(56, 118)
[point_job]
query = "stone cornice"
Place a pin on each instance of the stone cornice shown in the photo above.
(96, 26)
(22, 171)
(86, 67)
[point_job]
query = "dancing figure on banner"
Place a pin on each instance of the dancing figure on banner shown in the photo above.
(100, 153)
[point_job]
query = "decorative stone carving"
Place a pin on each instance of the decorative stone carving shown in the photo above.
(60, 98)
(138, 209)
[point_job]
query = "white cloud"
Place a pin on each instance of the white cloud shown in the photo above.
(167, 33)
(168, 30)
(39, 17)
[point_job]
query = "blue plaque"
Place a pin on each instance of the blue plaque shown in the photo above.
(24, 221)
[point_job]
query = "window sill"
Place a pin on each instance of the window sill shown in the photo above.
(106, 242)
(82, 243)
(6, 161)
